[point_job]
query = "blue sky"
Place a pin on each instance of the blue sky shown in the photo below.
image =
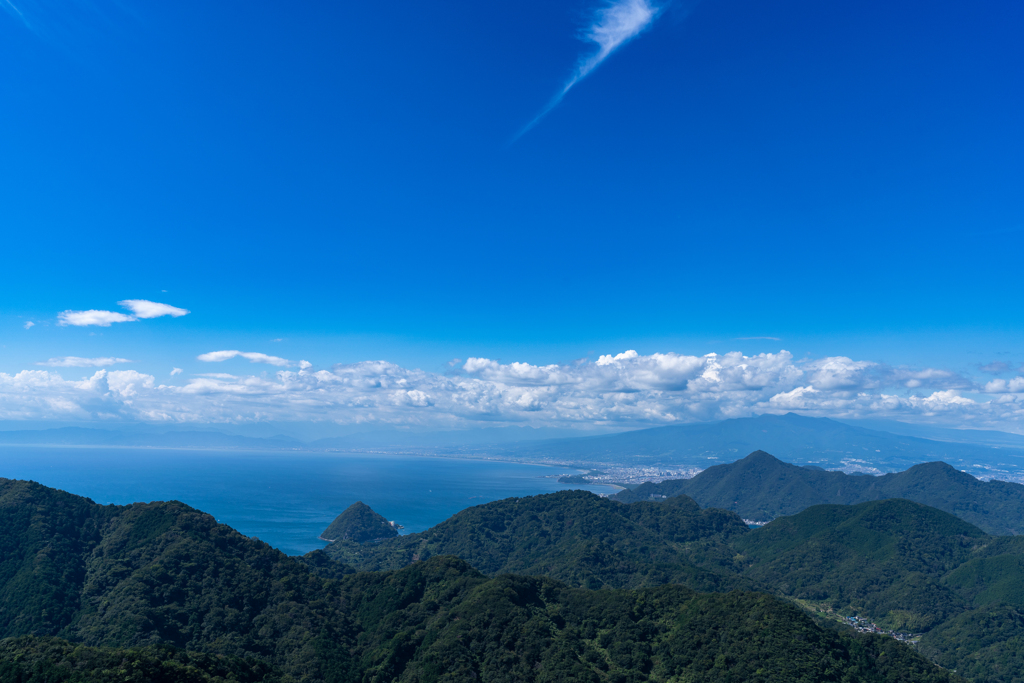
(839, 180)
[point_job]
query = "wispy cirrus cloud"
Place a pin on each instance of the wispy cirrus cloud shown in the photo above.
(251, 356)
(613, 26)
(13, 10)
(996, 367)
(140, 309)
(29, 325)
(76, 362)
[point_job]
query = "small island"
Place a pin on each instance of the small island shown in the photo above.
(359, 523)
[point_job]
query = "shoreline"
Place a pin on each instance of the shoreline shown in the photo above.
(302, 451)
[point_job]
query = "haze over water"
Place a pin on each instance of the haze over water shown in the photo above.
(284, 499)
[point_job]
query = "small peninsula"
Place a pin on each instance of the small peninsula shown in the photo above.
(359, 523)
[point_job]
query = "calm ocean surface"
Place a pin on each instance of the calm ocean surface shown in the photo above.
(284, 499)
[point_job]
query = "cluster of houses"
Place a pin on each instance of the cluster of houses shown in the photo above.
(865, 626)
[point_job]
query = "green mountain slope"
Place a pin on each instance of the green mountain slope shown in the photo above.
(904, 565)
(151, 573)
(985, 644)
(360, 524)
(576, 537)
(761, 487)
(51, 660)
(130, 580)
(885, 559)
(532, 629)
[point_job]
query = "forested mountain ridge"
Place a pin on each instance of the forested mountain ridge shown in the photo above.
(576, 537)
(149, 575)
(905, 566)
(883, 559)
(761, 487)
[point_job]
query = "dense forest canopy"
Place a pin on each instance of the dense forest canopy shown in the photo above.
(93, 592)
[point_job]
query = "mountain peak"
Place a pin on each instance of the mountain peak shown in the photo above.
(359, 523)
(761, 458)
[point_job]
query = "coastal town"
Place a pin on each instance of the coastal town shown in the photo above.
(616, 475)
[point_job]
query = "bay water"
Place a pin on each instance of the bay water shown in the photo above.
(285, 499)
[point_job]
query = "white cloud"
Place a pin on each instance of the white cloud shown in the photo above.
(92, 317)
(838, 372)
(609, 359)
(128, 383)
(251, 356)
(140, 308)
(613, 25)
(176, 371)
(1002, 386)
(76, 362)
(143, 309)
(625, 388)
(29, 325)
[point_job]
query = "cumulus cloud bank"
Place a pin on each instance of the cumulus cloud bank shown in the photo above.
(140, 309)
(625, 388)
(614, 25)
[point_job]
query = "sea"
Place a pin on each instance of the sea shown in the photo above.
(285, 499)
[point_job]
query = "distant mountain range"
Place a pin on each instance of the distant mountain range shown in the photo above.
(794, 438)
(829, 444)
(761, 487)
(976, 436)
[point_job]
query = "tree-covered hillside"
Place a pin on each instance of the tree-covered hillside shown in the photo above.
(447, 620)
(127, 576)
(576, 537)
(119, 584)
(885, 559)
(905, 566)
(359, 524)
(31, 659)
(761, 487)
